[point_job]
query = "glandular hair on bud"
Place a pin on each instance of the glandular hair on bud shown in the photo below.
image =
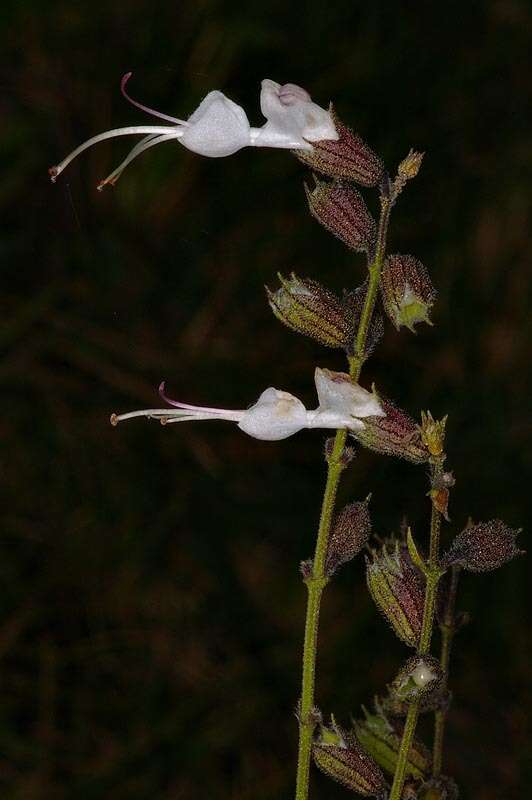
(348, 157)
(407, 291)
(339, 755)
(350, 533)
(483, 547)
(342, 210)
(398, 589)
(396, 434)
(381, 738)
(307, 307)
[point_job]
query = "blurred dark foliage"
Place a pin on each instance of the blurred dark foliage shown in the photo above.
(152, 611)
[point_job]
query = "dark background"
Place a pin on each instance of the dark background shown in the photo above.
(152, 611)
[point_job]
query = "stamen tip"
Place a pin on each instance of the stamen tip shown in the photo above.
(125, 79)
(113, 419)
(53, 172)
(104, 183)
(163, 420)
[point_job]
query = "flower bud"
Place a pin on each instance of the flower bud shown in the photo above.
(407, 291)
(339, 755)
(439, 494)
(342, 210)
(308, 308)
(483, 547)
(420, 676)
(410, 166)
(347, 157)
(398, 589)
(433, 433)
(382, 740)
(396, 434)
(350, 533)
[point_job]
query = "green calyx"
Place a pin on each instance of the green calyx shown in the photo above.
(410, 312)
(310, 309)
(382, 741)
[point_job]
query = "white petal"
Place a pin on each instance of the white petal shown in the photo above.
(337, 393)
(293, 120)
(276, 415)
(218, 127)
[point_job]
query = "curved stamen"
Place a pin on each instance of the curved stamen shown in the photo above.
(166, 415)
(129, 131)
(144, 144)
(150, 413)
(152, 111)
(222, 412)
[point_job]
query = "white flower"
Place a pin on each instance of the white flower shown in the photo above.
(276, 414)
(219, 127)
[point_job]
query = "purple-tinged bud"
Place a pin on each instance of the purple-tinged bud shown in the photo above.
(396, 434)
(307, 307)
(306, 568)
(407, 291)
(342, 210)
(483, 547)
(347, 455)
(382, 740)
(348, 157)
(441, 788)
(350, 533)
(339, 755)
(398, 589)
(420, 676)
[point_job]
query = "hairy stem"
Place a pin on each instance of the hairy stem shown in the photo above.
(447, 635)
(317, 581)
(433, 578)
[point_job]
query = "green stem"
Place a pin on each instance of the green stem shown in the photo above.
(425, 638)
(318, 580)
(447, 635)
